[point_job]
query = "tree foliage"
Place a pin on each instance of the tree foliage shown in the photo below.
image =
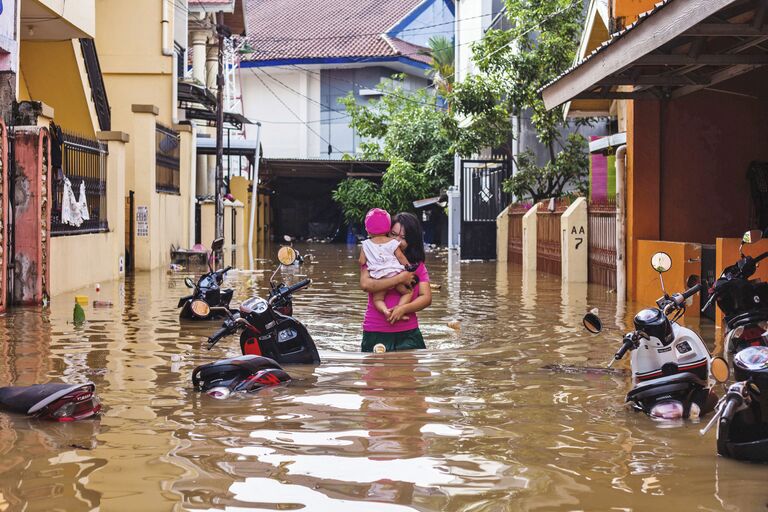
(513, 66)
(406, 129)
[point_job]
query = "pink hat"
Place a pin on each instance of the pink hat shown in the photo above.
(377, 221)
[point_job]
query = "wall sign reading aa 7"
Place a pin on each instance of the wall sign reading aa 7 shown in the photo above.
(578, 231)
(142, 221)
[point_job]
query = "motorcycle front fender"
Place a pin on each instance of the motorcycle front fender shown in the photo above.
(184, 300)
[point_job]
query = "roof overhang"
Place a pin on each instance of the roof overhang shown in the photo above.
(234, 147)
(322, 168)
(398, 63)
(679, 47)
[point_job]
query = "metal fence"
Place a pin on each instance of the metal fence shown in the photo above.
(548, 250)
(602, 243)
(83, 161)
(167, 158)
(515, 247)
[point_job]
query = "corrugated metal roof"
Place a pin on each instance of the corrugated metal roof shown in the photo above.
(614, 38)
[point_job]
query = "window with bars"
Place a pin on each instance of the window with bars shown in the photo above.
(167, 160)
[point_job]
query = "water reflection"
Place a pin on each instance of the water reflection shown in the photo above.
(506, 410)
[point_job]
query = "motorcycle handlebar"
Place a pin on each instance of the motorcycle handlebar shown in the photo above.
(218, 335)
(693, 290)
(729, 408)
(298, 286)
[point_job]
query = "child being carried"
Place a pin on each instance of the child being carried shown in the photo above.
(384, 258)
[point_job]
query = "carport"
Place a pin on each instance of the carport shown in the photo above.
(694, 78)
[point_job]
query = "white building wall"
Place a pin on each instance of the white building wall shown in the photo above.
(472, 17)
(287, 103)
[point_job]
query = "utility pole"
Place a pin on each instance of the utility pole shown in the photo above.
(221, 32)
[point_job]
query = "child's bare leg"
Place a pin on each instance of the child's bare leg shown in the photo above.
(378, 302)
(406, 294)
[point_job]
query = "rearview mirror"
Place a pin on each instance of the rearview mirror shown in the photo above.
(592, 323)
(661, 262)
(752, 236)
(286, 256)
(200, 308)
(720, 369)
(189, 282)
(217, 244)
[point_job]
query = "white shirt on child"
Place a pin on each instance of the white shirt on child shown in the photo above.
(381, 259)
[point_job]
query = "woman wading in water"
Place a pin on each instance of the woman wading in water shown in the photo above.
(400, 329)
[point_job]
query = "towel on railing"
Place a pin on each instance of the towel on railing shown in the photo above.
(83, 203)
(71, 211)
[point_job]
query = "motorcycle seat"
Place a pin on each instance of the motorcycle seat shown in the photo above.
(663, 385)
(750, 317)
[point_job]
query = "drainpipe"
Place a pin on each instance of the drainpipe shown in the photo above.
(254, 193)
(621, 226)
(165, 23)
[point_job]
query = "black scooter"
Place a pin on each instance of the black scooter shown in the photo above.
(250, 373)
(53, 401)
(268, 329)
(207, 292)
(744, 301)
(742, 414)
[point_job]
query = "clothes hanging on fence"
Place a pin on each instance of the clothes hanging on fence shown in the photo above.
(83, 203)
(70, 208)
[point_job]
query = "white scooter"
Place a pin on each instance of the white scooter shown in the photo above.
(670, 363)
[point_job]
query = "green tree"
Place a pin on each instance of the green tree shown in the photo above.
(406, 129)
(513, 66)
(442, 68)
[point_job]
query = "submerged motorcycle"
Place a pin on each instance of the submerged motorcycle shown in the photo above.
(212, 302)
(221, 379)
(670, 363)
(743, 301)
(742, 414)
(266, 326)
(52, 401)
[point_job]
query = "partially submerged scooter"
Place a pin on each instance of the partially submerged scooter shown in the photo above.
(744, 301)
(222, 378)
(207, 292)
(266, 325)
(742, 414)
(670, 363)
(53, 401)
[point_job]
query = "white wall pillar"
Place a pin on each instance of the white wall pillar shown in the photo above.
(502, 235)
(530, 238)
(574, 244)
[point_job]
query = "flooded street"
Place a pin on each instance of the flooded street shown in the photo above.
(499, 414)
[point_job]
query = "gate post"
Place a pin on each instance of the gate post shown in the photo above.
(3, 215)
(502, 235)
(530, 238)
(574, 242)
(31, 216)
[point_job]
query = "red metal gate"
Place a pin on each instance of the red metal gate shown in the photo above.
(548, 255)
(602, 243)
(515, 246)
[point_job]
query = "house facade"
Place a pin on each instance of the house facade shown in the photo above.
(306, 55)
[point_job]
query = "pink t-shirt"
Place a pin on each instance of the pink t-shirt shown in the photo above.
(375, 321)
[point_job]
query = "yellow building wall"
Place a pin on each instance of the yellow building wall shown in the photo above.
(53, 72)
(686, 261)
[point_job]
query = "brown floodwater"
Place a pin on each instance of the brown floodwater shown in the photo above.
(511, 411)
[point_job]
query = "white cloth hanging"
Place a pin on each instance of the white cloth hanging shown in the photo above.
(83, 203)
(70, 208)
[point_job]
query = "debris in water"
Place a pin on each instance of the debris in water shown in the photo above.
(455, 325)
(563, 368)
(78, 315)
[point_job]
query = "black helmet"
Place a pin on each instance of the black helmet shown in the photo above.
(654, 323)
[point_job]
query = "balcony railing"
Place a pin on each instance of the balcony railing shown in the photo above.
(167, 158)
(84, 161)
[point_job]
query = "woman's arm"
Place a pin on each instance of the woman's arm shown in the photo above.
(371, 285)
(424, 300)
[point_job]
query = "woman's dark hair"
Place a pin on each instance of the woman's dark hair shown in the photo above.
(414, 236)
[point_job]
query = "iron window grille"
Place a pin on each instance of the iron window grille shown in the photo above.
(167, 160)
(83, 160)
